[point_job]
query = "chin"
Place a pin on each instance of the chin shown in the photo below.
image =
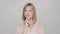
(28, 17)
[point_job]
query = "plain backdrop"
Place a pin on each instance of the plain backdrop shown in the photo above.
(47, 11)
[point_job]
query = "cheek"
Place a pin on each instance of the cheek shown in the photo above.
(31, 13)
(25, 13)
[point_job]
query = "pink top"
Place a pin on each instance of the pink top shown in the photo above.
(37, 29)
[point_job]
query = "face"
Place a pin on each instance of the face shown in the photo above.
(28, 13)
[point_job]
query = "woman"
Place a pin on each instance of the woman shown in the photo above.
(30, 24)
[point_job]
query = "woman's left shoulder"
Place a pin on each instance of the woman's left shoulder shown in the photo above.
(41, 29)
(40, 26)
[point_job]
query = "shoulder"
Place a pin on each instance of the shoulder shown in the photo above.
(19, 27)
(40, 26)
(42, 29)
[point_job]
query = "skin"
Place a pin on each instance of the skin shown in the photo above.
(29, 14)
(29, 23)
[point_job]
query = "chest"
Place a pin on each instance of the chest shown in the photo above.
(33, 31)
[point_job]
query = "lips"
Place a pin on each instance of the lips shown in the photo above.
(27, 15)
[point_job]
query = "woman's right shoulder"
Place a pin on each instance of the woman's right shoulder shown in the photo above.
(20, 26)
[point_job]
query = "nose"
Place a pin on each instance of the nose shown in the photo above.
(27, 12)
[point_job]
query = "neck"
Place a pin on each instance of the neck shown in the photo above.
(31, 23)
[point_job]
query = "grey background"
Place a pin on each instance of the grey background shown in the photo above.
(48, 14)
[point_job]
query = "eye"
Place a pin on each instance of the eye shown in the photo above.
(25, 10)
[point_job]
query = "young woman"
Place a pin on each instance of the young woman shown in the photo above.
(30, 24)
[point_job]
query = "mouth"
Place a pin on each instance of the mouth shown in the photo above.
(27, 15)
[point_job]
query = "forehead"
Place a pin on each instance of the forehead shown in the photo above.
(28, 8)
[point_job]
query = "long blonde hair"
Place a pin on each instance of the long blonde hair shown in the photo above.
(34, 12)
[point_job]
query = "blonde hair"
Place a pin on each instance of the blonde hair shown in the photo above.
(34, 11)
